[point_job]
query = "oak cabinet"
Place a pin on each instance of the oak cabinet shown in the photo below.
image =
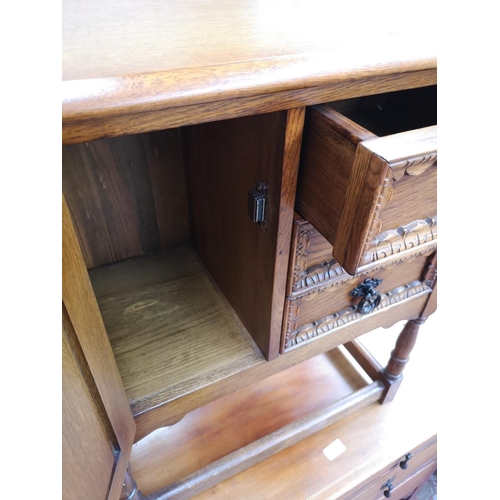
(190, 267)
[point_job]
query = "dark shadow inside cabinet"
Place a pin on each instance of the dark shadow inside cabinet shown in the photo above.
(184, 279)
(392, 112)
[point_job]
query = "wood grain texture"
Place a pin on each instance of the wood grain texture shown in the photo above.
(267, 446)
(224, 161)
(164, 55)
(127, 195)
(323, 309)
(248, 415)
(327, 160)
(170, 329)
(381, 199)
(376, 438)
(170, 413)
(89, 448)
(251, 31)
(370, 199)
(83, 312)
(96, 126)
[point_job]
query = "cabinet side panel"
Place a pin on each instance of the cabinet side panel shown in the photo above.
(83, 312)
(224, 161)
(88, 450)
(127, 196)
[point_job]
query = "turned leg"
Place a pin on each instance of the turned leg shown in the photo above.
(129, 489)
(392, 374)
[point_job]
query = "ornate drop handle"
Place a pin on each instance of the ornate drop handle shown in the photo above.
(371, 297)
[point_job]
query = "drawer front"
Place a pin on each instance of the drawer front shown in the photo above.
(403, 482)
(366, 193)
(327, 302)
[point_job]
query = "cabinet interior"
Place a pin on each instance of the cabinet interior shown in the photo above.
(393, 112)
(183, 277)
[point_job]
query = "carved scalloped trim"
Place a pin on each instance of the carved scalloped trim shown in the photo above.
(394, 241)
(326, 273)
(413, 166)
(347, 315)
(384, 245)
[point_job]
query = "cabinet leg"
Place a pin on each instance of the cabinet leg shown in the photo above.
(129, 489)
(392, 374)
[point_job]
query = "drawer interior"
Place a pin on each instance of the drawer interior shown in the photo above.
(394, 112)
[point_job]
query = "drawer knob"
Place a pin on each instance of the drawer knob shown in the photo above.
(387, 492)
(404, 463)
(389, 487)
(371, 297)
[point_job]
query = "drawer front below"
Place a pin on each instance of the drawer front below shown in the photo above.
(401, 483)
(345, 298)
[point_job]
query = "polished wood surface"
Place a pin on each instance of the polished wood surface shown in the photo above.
(267, 446)
(127, 196)
(331, 304)
(88, 454)
(171, 330)
(385, 187)
(170, 413)
(224, 161)
(86, 321)
(132, 59)
(403, 482)
(330, 375)
(108, 39)
(131, 68)
(376, 438)
(95, 126)
(381, 198)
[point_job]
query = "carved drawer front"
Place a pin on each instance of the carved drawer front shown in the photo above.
(397, 482)
(368, 174)
(323, 297)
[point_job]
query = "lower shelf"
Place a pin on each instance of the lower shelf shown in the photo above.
(235, 421)
(171, 330)
(374, 437)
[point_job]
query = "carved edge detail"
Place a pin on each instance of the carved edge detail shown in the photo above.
(347, 315)
(413, 166)
(327, 271)
(394, 241)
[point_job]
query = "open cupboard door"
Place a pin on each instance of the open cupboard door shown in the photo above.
(98, 427)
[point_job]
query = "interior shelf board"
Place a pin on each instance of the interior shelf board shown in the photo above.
(171, 330)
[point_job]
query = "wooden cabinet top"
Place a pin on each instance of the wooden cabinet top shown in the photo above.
(129, 58)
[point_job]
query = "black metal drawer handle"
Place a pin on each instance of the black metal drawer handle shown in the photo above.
(404, 463)
(371, 297)
(389, 487)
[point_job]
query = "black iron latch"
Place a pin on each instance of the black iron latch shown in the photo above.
(257, 199)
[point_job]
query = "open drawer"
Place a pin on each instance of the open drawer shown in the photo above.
(368, 175)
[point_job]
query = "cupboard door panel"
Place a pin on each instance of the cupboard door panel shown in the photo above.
(98, 427)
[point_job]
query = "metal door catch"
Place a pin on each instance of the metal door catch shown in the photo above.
(257, 203)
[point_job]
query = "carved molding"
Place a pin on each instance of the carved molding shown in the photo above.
(384, 245)
(384, 198)
(403, 238)
(343, 277)
(413, 166)
(347, 315)
(304, 276)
